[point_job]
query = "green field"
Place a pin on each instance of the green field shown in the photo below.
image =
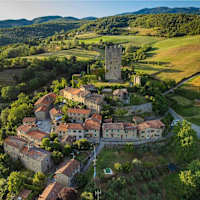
(180, 57)
(81, 54)
(123, 39)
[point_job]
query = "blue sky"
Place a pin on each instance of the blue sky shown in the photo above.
(16, 9)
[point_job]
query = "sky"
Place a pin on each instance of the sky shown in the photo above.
(29, 9)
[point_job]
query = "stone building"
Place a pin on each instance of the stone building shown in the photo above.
(78, 115)
(93, 127)
(65, 174)
(51, 191)
(31, 134)
(113, 63)
(55, 114)
(92, 101)
(43, 105)
(121, 131)
(35, 159)
(75, 130)
(150, 129)
(30, 121)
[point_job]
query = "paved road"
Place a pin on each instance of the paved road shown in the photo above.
(181, 83)
(98, 150)
(178, 117)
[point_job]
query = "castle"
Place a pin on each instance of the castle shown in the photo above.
(113, 63)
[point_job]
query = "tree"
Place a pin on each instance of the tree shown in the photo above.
(9, 92)
(68, 194)
(190, 179)
(67, 149)
(15, 182)
(39, 179)
(3, 188)
(57, 157)
(87, 196)
(185, 141)
(46, 143)
(118, 166)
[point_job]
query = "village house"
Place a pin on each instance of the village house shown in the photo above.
(31, 134)
(51, 191)
(151, 129)
(121, 131)
(43, 105)
(29, 121)
(35, 159)
(78, 115)
(93, 127)
(89, 87)
(121, 94)
(55, 114)
(92, 101)
(72, 129)
(65, 174)
(137, 120)
(24, 194)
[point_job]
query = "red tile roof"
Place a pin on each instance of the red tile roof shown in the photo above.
(92, 124)
(47, 99)
(24, 128)
(15, 142)
(29, 119)
(61, 127)
(97, 117)
(115, 126)
(51, 191)
(69, 168)
(157, 124)
(41, 109)
(37, 134)
(75, 126)
(79, 111)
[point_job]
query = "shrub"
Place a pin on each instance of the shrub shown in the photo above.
(136, 162)
(144, 188)
(154, 186)
(126, 167)
(118, 166)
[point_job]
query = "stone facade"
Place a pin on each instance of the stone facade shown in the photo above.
(65, 174)
(113, 63)
(78, 115)
(121, 131)
(35, 159)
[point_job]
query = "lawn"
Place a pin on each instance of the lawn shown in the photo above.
(124, 39)
(99, 84)
(186, 107)
(180, 57)
(193, 85)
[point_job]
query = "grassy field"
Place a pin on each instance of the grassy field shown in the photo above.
(193, 85)
(180, 57)
(81, 54)
(124, 39)
(109, 84)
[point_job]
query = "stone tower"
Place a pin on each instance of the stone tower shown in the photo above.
(113, 63)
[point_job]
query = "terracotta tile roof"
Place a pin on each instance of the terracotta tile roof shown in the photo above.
(37, 134)
(97, 117)
(157, 124)
(35, 153)
(73, 91)
(61, 127)
(115, 126)
(15, 142)
(54, 112)
(75, 126)
(69, 168)
(47, 100)
(24, 128)
(108, 120)
(79, 111)
(41, 109)
(51, 191)
(29, 119)
(138, 119)
(92, 124)
(95, 98)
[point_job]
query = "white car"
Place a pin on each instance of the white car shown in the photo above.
(175, 122)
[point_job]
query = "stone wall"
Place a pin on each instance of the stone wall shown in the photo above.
(143, 108)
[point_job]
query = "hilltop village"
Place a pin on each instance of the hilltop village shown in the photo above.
(83, 123)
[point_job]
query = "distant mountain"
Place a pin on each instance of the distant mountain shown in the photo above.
(39, 20)
(159, 10)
